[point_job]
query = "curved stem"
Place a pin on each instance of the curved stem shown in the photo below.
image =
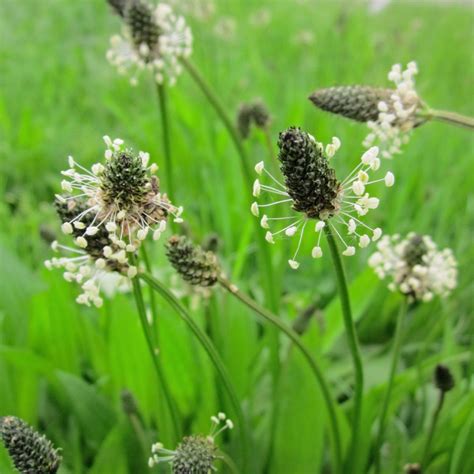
(163, 106)
(434, 421)
(397, 343)
(272, 319)
(351, 334)
(153, 309)
(449, 117)
(213, 355)
(220, 110)
(137, 291)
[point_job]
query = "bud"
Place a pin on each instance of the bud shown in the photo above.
(29, 451)
(129, 403)
(359, 103)
(195, 265)
(143, 27)
(443, 378)
(118, 6)
(195, 454)
(255, 113)
(310, 181)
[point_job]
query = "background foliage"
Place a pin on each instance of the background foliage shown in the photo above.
(63, 368)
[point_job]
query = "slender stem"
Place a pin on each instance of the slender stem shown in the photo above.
(226, 459)
(220, 110)
(397, 343)
(153, 308)
(213, 355)
(434, 421)
(319, 374)
(163, 106)
(263, 255)
(137, 291)
(449, 117)
(351, 334)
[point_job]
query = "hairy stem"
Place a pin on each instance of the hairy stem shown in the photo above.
(432, 429)
(137, 291)
(351, 334)
(214, 357)
(317, 371)
(397, 343)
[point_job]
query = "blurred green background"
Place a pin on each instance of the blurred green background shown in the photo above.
(63, 368)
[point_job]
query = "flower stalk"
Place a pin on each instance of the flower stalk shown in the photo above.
(213, 355)
(397, 343)
(137, 292)
(317, 371)
(163, 106)
(448, 117)
(353, 341)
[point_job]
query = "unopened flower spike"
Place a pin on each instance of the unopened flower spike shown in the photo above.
(389, 113)
(252, 113)
(154, 39)
(195, 454)
(443, 378)
(194, 264)
(314, 197)
(30, 451)
(415, 267)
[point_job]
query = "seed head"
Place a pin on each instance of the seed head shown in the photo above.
(443, 378)
(30, 452)
(311, 182)
(358, 103)
(195, 265)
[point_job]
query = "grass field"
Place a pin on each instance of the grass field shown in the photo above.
(66, 369)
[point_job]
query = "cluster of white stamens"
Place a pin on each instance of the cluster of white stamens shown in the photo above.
(195, 452)
(398, 116)
(109, 211)
(353, 203)
(174, 42)
(415, 266)
(92, 274)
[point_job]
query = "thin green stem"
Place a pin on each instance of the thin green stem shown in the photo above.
(351, 334)
(317, 371)
(263, 255)
(432, 429)
(137, 291)
(397, 343)
(221, 111)
(214, 357)
(153, 309)
(163, 106)
(448, 117)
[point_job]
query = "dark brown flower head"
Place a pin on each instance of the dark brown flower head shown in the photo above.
(195, 455)
(443, 378)
(30, 452)
(354, 102)
(415, 250)
(414, 468)
(195, 265)
(118, 6)
(252, 113)
(310, 181)
(143, 27)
